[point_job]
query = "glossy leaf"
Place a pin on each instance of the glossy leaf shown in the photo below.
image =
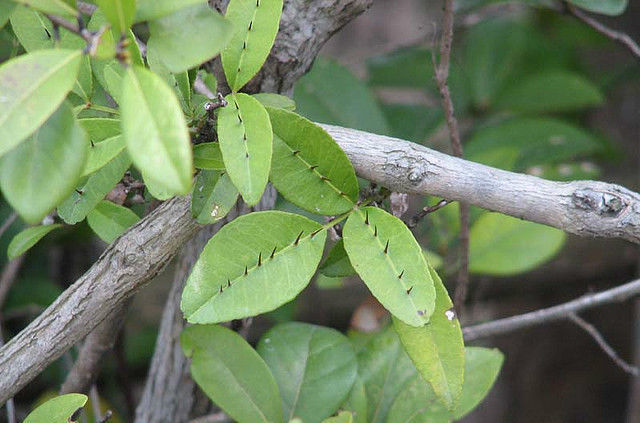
(214, 196)
(275, 101)
(331, 94)
(315, 368)
(337, 263)
(245, 136)
(100, 129)
(33, 30)
(43, 170)
(389, 260)
(32, 87)
(27, 239)
(504, 245)
(53, 7)
(605, 7)
(57, 410)
(155, 130)
(208, 156)
(520, 143)
(385, 369)
(6, 9)
(119, 13)
(148, 10)
(252, 265)
(342, 417)
(232, 374)
(437, 350)
(357, 402)
(308, 168)
(102, 152)
(255, 25)
(88, 194)
(189, 37)
(482, 366)
(548, 92)
(417, 403)
(109, 220)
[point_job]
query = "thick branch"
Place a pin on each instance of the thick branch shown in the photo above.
(551, 314)
(130, 262)
(585, 208)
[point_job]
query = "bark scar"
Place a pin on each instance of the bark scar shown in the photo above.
(603, 203)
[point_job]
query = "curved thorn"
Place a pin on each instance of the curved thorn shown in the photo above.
(386, 247)
(366, 218)
(324, 178)
(228, 283)
(296, 152)
(400, 275)
(409, 291)
(298, 238)
(375, 230)
(315, 233)
(220, 289)
(246, 271)
(313, 167)
(260, 259)
(273, 252)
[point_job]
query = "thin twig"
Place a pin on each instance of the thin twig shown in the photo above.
(5, 225)
(442, 76)
(608, 349)
(618, 36)
(551, 314)
(107, 416)
(425, 211)
(8, 277)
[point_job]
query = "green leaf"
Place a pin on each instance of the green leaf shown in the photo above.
(385, 369)
(252, 265)
(482, 366)
(32, 87)
(549, 92)
(605, 7)
(83, 86)
(100, 129)
(437, 350)
(208, 156)
(417, 403)
(53, 7)
(189, 37)
(315, 368)
(27, 239)
(337, 263)
(413, 122)
(357, 402)
(308, 168)
(232, 374)
(158, 67)
(148, 10)
(57, 410)
(504, 245)
(245, 136)
(32, 30)
(6, 9)
(109, 220)
(276, 101)
(155, 130)
(331, 94)
(102, 152)
(389, 260)
(255, 25)
(107, 44)
(518, 144)
(119, 13)
(87, 195)
(213, 197)
(342, 417)
(156, 189)
(42, 171)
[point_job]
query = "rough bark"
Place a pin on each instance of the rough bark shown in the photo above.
(169, 392)
(585, 208)
(127, 265)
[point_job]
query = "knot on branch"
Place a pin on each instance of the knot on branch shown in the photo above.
(605, 204)
(407, 166)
